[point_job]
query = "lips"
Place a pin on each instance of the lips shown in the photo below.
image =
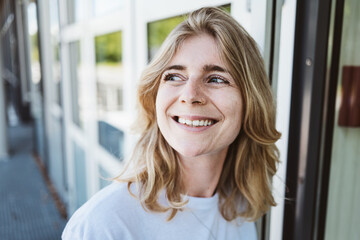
(195, 121)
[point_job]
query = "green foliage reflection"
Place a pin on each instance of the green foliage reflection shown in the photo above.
(158, 30)
(34, 48)
(108, 48)
(226, 8)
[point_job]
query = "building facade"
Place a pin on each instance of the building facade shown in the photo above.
(72, 67)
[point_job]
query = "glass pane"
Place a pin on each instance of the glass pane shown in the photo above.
(112, 139)
(55, 43)
(109, 81)
(109, 72)
(76, 83)
(102, 7)
(342, 218)
(37, 94)
(75, 10)
(80, 175)
(158, 30)
(34, 44)
(226, 8)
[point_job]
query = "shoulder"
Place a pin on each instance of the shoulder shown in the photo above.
(106, 202)
(105, 213)
(247, 229)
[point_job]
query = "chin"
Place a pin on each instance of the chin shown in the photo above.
(188, 152)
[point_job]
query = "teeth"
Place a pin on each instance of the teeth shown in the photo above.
(195, 123)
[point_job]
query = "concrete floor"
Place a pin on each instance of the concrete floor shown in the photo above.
(27, 209)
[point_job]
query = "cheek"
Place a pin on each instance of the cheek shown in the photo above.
(160, 99)
(163, 102)
(229, 102)
(166, 96)
(233, 110)
(159, 108)
(235, 123)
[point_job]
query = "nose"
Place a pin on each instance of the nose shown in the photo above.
(193, 92)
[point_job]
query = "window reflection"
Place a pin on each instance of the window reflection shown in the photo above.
(109, 80)
(80, 174)
(55, 43)
(75, 10)
(111, 139)
(109, 72)
(158, 31)
(36, 78)
(76, 86)
(34, 44)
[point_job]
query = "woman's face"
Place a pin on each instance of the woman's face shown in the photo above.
(198, 105)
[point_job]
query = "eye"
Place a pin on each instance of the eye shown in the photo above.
(172, 77)
(217, 80)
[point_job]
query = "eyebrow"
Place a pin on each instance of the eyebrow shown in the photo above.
(214, 68)
(175, 67)
(206, 68)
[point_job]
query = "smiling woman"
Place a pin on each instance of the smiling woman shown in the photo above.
(199, 90)
(203, 165)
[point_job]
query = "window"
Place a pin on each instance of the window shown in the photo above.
(75, 10)
(109, 72)
(34, 44)
(158, 31)
(109, 81)
(80, 175)
(112, 139)
(75, 78)
(55, 44)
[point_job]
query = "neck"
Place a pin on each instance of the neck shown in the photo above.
(201, 174)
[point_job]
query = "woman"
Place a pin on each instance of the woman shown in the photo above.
(203, 165)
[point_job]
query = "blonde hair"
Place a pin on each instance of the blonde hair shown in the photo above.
(251, 159)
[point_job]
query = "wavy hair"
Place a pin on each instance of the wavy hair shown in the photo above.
(251, 159)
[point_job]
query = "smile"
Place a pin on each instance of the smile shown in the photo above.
(195, 123)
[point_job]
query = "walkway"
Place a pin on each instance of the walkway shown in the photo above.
(27, 210)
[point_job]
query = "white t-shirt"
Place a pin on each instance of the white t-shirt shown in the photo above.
(114, 214)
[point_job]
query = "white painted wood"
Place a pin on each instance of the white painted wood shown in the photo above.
(252, 16)
(161, 9)
(283, 99)
(68, 131)
(52, 110)
(3, 125)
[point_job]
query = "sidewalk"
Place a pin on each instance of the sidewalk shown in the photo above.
(27, 210)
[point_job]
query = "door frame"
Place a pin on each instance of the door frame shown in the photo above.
(311, 118)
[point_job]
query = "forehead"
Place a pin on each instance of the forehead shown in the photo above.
(198, 49)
